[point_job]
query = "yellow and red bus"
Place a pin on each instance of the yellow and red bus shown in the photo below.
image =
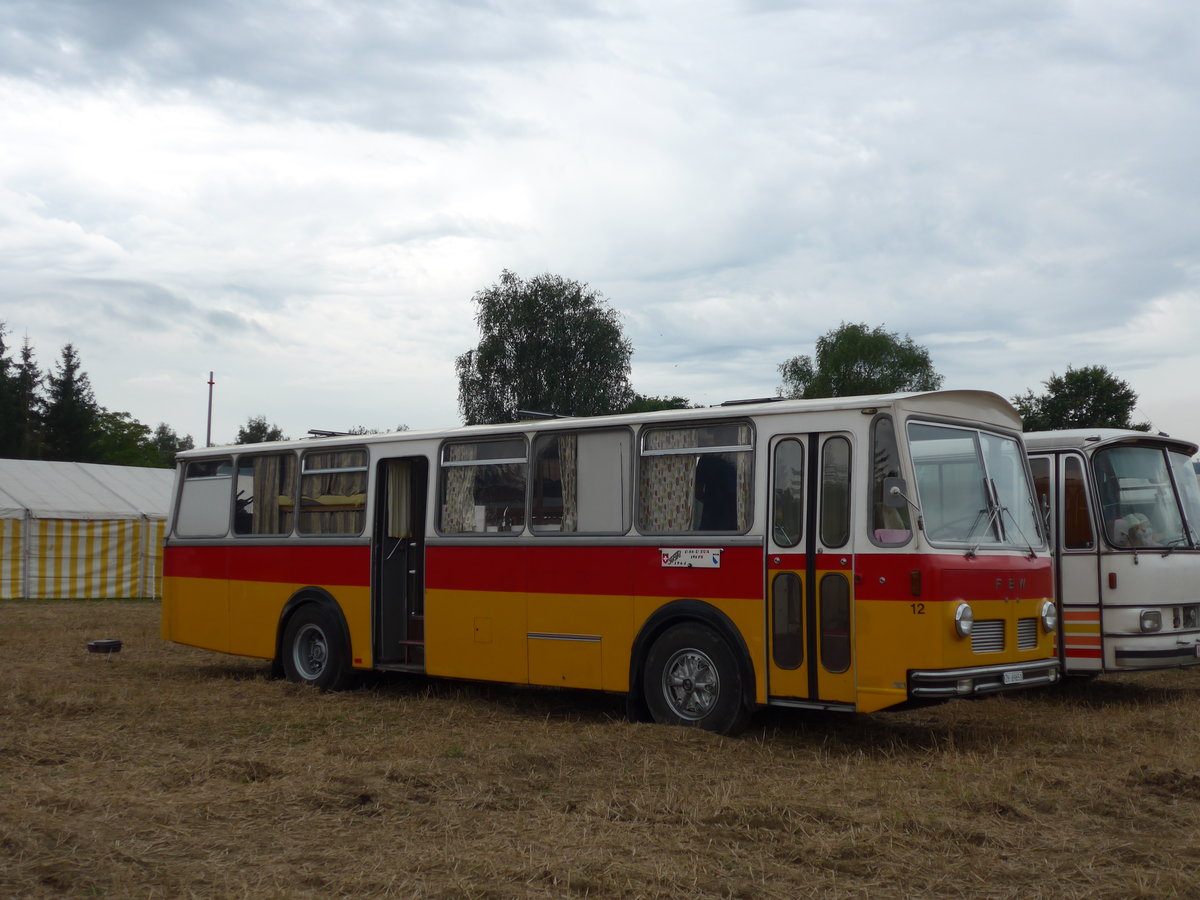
(1123, 509)
(855, 553)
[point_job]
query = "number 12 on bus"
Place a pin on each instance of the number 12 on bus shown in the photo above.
(856, 554)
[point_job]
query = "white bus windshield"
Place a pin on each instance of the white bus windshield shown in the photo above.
(1138, 501)
(972, 487)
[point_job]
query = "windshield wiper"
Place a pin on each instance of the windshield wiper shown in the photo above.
(1017, 526)
(992, 511)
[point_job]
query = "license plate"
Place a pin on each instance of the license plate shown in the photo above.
(1014, 677)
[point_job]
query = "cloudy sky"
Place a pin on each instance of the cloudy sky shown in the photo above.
(302, 196)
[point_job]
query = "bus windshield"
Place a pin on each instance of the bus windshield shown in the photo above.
(972, 486)
(1138, 500)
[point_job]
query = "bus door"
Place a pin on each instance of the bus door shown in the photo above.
(1061, 484)
(810, 571)
(399, 553)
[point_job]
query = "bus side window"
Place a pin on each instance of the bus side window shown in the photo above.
(581, 482)
(696, 479)
(1077, 521)
(788, 514)
(1043, 493)
(835, 492)
(333, 492)
(889, 524)
(204, 499)
(483, 487)
(266, 494)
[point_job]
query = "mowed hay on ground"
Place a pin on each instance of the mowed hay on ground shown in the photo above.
(172, 772)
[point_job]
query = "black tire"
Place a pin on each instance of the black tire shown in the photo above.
(692, 678)
(314, 649)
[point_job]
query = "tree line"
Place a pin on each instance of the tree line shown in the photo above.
(548, 346)
(552, 346)
(54, 415)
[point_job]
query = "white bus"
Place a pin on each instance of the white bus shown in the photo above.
(1124, 514)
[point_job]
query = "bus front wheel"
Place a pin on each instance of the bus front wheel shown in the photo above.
(692, 678)
(314, 651)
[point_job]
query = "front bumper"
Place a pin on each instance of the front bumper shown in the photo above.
(942, 684)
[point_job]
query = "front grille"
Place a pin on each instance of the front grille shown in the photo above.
(987, 636)
(1027, 634)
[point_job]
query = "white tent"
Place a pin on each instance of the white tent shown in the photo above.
(79, 531)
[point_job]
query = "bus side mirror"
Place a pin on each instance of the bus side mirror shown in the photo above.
(895, 492)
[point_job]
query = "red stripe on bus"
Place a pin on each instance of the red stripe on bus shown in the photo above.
(620, 571)
(290, 564)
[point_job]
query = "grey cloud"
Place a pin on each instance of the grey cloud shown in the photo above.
(412, 66)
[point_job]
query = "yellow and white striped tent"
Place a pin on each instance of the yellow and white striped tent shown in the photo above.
(79, 531)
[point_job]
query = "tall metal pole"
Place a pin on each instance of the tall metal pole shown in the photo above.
(208, 437)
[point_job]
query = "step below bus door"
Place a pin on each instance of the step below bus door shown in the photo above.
(399, 563)
(810, 571)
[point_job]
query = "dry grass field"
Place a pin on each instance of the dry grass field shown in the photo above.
(171, 772)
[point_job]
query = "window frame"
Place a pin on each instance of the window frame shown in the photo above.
(181, 507)
(301, 472)
(538, 440)
(749, 448)
(444, 465)
(295, 493)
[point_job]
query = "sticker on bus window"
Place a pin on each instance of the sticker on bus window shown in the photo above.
(690, 558)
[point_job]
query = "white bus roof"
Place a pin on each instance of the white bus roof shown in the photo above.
(982, 407)
(1091, 438)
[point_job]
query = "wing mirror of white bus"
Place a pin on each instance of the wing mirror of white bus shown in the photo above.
(895, 493)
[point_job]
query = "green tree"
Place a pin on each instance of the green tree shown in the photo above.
(1089, 397)
(21, 404)
(121, 440)
(31, 408)
(642, 403)
(71, 419)
(548, 344)
(9, 435)
(167, 443)
(853, 359)
(256, 431)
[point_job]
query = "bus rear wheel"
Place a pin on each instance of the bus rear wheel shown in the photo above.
(314, 651)
(692, 678)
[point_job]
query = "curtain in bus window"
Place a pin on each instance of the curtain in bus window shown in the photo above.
(1077, 521)
(333, 492)
(667, 483)
(274, 494)
(556, 483)
(271, 506)
(745, 485)
(458, 491)
(568, 462)
(399, 514)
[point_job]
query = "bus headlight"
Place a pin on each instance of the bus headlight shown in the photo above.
(1151, 620)
(963, 620)
(1049, 617)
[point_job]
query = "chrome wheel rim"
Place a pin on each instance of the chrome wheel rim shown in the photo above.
(690, 684)
(311, 652)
